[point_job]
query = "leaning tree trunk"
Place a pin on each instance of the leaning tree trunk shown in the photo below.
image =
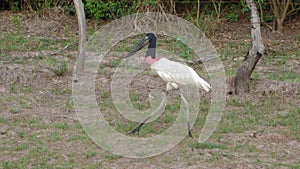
(82, 34)
(245, 70)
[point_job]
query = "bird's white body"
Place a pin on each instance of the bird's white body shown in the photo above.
(175, 72)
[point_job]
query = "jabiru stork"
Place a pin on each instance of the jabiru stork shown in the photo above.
(174, 73)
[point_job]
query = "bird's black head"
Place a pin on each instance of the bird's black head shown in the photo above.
(152, 45)
(151, 39)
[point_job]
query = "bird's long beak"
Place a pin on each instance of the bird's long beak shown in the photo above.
(138, 47)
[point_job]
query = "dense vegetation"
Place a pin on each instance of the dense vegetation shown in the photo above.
(195, 10)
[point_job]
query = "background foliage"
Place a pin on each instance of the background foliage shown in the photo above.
(202, 13)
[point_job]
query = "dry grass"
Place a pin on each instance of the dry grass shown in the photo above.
(38, 126)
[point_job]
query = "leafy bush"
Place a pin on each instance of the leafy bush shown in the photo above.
(109, 9)
(98, 9)
(233, 15)
(115, 9)
(264, 9)
(32, 5)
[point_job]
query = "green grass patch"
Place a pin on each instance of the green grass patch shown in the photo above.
(62, 125)
(57, 90)
(15, 110)
(291, 166)
(173, 107)
(55, 136)
(21, 147)
(21, 134)
(78, 138)
(137, 101)
(233, 122)
(11, 165)
(57, 65)
(197, 145)
(3, 120)
(69, 104)
(26, 89)
(90, 154)
(13, 88)
(147, 129)
(291, 120)
(111, 156)
(17, 42)
(284, 75)
(34, 123)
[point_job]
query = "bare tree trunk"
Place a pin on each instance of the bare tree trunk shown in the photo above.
(282, 9)
(198, 10)
(279, 25)
(82, 34)
(256, 51)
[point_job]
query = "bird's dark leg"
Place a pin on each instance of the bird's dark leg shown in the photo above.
(163, 102)
(187, 114)
(189, 130)
(136, 130)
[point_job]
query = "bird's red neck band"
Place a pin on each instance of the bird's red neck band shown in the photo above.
(150, 60)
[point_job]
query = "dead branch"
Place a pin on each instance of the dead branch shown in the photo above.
(82, 34)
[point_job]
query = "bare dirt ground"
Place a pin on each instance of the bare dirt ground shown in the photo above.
(39, 128)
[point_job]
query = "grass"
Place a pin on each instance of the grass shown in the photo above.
(17, 42)
(208, 146)
(56, 90)
(233, 122)
(137, 101)
(69, 106)
(255, 115)
(39, 144)
(21, 134)
(292, 121)
(61, 125)
(285, 76)
(292, 166)
(22, 147)
(33, 138)
(58, 66)
(15, 110)
(90, 154)
(78, 138)
(26, 89)
(13, 88)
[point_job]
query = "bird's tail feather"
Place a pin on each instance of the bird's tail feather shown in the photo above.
(203, 84)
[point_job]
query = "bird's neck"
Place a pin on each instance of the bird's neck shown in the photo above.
(150, 54)
(150, 60)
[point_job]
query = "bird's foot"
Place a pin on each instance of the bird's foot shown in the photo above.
(136, 130)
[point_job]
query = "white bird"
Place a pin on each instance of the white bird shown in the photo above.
(175, 72)
(172, 72)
